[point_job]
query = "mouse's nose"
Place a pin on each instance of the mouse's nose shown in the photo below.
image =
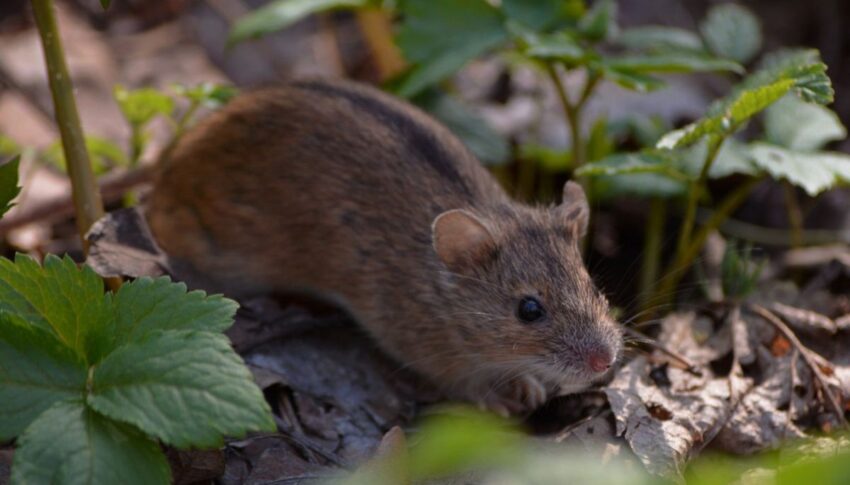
(599, 360)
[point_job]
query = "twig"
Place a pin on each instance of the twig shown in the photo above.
(112, 187)
(808, 357)
(689, 366)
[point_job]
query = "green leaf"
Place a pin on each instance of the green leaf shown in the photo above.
(631, 80)
(670, 63)
(560, 46)
(650, 173)
(9, 188)
(795, 124)
(69, 444)
(440, 36)
(462, 439)
(600, 22)
(755, 93)
(551, 159)
(732, 31)
(140, 106)
(187, 388)
(208, 94)
(814, 172)
(105, 3)
(540, 15)
(36, 370)
(146, 305)
(631, 163)
(104, 154)
(656, 38)
(279, 14)
(58, 297)
(487, 145)
(8, 146)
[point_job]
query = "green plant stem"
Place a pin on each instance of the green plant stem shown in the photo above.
(676, 270)
(651, 262)
(695, 189)
(86, 197)
(795, 215)
(84, 189)
(573, 115)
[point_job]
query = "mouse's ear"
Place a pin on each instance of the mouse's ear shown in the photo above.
(461, 239)
(574, 209)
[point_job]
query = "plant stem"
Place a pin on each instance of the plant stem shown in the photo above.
(676, 270)
(695, 189)
(651, 262)
(83, 184)
(572, 114)
(377, 30)
(795, 215)
(84, 189)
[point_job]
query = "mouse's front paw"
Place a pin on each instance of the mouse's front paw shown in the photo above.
(517, 397)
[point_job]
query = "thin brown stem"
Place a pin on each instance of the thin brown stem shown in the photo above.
(808, 357)
(680, 359)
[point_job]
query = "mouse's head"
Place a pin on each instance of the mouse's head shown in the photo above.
(521, 300)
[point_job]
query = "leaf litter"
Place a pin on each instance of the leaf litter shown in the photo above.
(740, 378)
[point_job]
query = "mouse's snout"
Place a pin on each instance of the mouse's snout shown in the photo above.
(599, 360)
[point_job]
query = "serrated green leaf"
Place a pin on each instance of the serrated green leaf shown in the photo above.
(600, 21)
(541, 15)
(670, 63)
(732, 112)
(187, 388)
(732, 31)
(146, 305)
(9, 188)
(440, 36)
(657, 38)
(814, 172)
(36, 370)
(58, 297)
(637, 185)
(795, 124)
(487, 145)
(140, 106)
(279, 14)
(69, 444)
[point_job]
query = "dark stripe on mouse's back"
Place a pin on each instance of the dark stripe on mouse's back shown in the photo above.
(420, 139)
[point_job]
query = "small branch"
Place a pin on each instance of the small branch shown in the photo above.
(809, 357)
(112, 188)
(680, 359)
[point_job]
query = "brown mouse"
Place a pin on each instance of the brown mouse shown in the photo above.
(338, 188)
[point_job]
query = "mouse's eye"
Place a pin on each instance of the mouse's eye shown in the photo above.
(530, 309)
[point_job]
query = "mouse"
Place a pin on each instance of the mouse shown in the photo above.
(340, 189)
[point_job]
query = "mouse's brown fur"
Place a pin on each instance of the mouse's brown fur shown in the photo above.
(339, 188)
